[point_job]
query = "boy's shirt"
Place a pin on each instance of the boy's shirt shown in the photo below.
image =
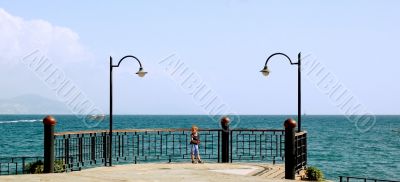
(195, 138)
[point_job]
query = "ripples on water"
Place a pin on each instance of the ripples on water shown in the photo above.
(335, 144)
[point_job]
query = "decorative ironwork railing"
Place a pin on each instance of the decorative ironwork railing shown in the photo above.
(301, 150)
(257, 145)
(17, 165)
(350, 179)
(84, 149)
(81, 149)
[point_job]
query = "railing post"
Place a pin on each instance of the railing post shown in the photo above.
(66, 150)
(105, 148)
(225, 139)
(23, 165)
(93, 147)
(49, 123)
(290, 150)
(80, 147)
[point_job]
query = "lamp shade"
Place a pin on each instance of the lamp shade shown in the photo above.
(265, 71)
(141, 72)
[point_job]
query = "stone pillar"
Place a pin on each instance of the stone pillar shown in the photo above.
(225, 139)
(49, 124)
(290, 150)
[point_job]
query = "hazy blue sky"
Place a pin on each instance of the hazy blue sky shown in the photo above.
(224, 42)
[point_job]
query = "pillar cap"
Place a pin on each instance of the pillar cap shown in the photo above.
(290, 123)
(49, 120)
(225, 120)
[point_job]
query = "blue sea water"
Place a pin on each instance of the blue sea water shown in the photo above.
(335, 144)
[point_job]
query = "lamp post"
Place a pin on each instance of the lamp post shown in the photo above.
(265, 71)
(140, 73)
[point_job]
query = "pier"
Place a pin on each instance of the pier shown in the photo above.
(219, 172)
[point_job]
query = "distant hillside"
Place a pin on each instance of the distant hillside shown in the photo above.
(32, 104)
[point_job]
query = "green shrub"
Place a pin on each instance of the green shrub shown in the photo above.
(38, 167)
(59, 166)
(314, 174)
(35, 167)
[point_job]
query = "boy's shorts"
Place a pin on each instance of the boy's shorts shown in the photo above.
(195, 149)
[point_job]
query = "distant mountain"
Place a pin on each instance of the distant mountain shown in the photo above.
(32, 104)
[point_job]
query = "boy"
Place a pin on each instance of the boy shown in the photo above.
(195, 141)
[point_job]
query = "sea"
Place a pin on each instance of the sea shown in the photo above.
(336, 144)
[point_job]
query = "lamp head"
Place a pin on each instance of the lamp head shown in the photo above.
(141, 72)
(265, 71)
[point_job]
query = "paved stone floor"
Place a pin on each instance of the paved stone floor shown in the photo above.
(185, 172)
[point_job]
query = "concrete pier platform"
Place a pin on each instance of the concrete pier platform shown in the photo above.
(166, 172)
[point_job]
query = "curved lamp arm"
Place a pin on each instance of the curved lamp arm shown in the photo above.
(140, 64)
(266, 62)
(266, 72)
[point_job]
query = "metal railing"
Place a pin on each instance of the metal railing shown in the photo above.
(81, 149)
(350, 179)
(88, 148)
(84, 149)
(17, 165)
(301, 150)
(257, 145)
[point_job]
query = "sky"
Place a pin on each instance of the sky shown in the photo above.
(223, 43)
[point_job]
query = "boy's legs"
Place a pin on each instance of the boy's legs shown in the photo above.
(198, 157)
(197, 153)
(192, 152)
